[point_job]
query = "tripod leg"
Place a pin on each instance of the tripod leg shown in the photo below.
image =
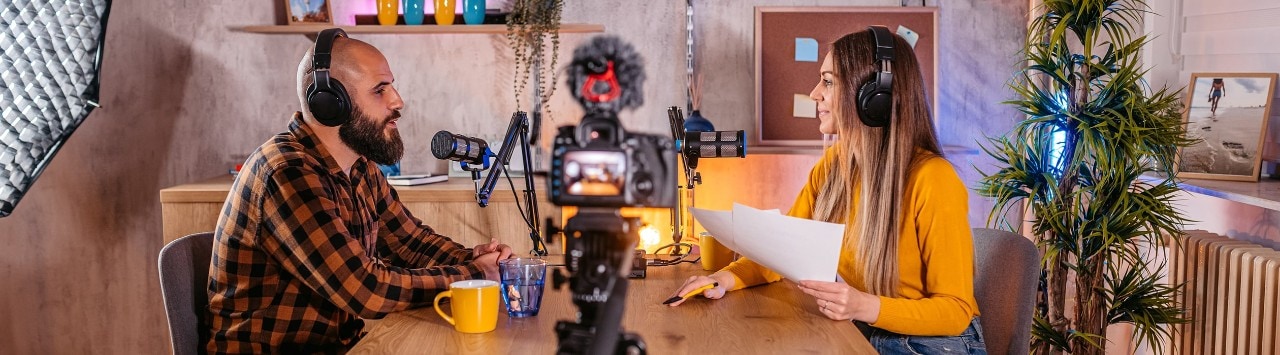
(631, 344)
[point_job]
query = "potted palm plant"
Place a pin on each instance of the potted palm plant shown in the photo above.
(1092, 129)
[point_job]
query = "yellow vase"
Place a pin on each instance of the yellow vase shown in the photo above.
(388, 12)
(444, 11)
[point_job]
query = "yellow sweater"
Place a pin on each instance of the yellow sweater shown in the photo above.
(935, 253)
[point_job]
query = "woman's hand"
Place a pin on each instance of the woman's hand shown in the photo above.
(694, 282)
(839, 301)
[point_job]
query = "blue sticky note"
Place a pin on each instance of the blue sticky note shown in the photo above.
(806, 49)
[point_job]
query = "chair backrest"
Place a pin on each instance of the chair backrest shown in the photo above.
(1007, 269)
(184, 280)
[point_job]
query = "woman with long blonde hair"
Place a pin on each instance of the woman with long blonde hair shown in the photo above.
(907, 258)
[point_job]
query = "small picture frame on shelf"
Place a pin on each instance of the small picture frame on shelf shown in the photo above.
(306, 12)
(1228, 114)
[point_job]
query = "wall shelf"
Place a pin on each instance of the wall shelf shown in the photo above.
(419, 29)
(1265, 193)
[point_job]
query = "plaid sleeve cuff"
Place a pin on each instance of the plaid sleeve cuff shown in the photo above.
(469, 271)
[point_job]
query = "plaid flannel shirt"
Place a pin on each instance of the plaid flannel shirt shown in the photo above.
(302, 252)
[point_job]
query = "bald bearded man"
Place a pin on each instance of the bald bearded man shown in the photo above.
(311, 239)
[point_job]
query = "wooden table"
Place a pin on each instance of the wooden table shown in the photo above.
(449, 207)
(770, 319)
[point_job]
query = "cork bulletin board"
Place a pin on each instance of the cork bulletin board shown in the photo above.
(790, 43)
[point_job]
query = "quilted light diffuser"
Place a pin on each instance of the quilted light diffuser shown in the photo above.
(50, 54)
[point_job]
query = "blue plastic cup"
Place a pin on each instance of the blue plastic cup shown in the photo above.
(414, 12)
(522, 284)
(473, 11)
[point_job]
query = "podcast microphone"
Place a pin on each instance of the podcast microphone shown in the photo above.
(460, 148)
(714, 144)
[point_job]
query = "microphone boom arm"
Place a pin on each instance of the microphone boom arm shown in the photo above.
(518, 128)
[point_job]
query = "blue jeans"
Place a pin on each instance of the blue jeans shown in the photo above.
(968, 342)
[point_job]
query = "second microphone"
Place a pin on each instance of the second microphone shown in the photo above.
(714, 144)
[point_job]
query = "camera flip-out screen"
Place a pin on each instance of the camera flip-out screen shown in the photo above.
(595, 173)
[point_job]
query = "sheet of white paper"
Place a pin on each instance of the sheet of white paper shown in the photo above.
(718, 223)
(797, 248)
(909, 35)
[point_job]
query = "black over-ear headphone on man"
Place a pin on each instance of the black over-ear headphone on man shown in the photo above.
(326, 97)
(875, 97)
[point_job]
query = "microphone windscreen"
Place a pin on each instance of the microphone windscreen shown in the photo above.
(442, 145)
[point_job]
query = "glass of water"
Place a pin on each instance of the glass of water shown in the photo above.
(522, 281)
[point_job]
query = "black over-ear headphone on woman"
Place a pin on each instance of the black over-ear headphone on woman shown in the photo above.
(326, 97)
(875, 97)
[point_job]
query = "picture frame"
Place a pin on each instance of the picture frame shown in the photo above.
(308, 12)
(790, 44)
(1229, 113)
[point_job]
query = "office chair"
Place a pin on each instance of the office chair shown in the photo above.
(1006, 268)
(184, 278)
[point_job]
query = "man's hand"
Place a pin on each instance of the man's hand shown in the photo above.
(503, 250)
(489, 263)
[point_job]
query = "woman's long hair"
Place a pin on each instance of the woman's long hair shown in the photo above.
(872, 163)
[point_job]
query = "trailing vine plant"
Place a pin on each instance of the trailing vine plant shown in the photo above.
(530, 26)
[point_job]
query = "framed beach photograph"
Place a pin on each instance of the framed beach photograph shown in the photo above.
(1228, 112)
(309, 12)
(790, 44)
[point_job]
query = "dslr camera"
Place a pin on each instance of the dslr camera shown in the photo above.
(599, 164)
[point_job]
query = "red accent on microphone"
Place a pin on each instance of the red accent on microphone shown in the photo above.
(608, 77)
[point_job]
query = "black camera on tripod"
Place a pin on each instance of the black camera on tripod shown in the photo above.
(599, 167)
(599, 164)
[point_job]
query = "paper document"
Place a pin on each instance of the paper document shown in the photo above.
(797, 248)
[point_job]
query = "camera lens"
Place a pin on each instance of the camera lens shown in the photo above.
(597, 66)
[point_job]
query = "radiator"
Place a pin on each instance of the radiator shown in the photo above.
(1230, 293)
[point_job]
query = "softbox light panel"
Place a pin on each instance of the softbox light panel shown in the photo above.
(50, 54)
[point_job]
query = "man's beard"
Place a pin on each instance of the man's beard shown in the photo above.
(365, 136)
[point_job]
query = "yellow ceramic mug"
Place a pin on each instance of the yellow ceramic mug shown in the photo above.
(715, 256)
(474, 305)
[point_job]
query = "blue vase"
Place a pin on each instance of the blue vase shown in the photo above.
(696, 123)
(473, 11)
(414, 12)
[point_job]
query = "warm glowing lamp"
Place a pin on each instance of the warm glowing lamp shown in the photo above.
(649, 237)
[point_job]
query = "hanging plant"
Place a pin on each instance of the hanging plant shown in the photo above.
(1092, 128)
(530, 26)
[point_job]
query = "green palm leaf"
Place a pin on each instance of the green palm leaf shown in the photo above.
(1093, 132)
